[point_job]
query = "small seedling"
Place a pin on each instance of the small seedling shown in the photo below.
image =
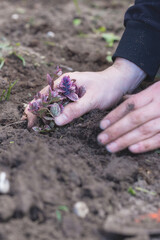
(22, 59)
(50, 105)
(101, 29)
(6, 49)
(6, 93)
(110, 38)
(59, 212)
(131, 191)
(109, 59)
(77, 22)
(77, 6)
(145, 191)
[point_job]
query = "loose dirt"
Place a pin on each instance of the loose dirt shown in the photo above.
(66, 166)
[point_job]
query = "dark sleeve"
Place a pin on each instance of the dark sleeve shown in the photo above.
(140, 42)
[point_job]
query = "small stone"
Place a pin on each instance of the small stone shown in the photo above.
(81, 209)
(15, 16)
(4, 183)
(50, 34)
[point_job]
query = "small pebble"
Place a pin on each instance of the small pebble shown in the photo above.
(15, 16)
(50, 34)
(81, 209)
(4, 183)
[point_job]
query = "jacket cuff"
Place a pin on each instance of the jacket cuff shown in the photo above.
(140, 45)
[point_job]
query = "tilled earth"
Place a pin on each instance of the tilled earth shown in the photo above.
(67, 166)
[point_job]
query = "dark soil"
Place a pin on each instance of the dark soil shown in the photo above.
(66, 166)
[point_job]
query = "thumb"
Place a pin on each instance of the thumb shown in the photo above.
(74, 110)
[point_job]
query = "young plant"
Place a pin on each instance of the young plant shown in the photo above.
(110, 38)
(50, 105)
(59, 212)
(6, 93)
(77, 6)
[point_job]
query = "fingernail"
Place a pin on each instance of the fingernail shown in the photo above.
(134, 147)
(112, 147)
(104, 124)
(103, 138)
(61, 119)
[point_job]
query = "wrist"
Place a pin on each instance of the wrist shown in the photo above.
(130, 74)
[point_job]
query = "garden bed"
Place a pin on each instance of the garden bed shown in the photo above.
(66, 166)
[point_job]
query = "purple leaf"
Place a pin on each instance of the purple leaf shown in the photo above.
(38, 95)
(50, 81)
(73, 96)
(55, 110)
(47, 128)
(37, 129)
(48, 118)
(65, 85)
(58, 71)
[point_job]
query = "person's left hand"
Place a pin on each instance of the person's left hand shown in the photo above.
(134, 124)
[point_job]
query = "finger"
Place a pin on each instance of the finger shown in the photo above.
(146, 145)
(31, 118)
(137, 101)
(141, 133)
(75, 110)
(128, 123)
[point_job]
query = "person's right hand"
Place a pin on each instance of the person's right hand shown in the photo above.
(103, 90)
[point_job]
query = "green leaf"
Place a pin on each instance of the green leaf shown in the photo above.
(11, 85)
(3, 95)
(55, 110)
(58, 215)
(101, 29)
(36, 129)
(145, 191)
(2, 61)
(110, 38)
(42, 112)
(77, 22)
(22, 59)
(48, 43)
(131, 191)
(77, 6)
(63, 208)
(55, 99)
(109, 59)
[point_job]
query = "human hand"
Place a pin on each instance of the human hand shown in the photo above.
(103, 90)
(134, 124)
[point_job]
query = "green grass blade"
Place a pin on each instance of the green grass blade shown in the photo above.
(77, 6)
(58, 215)
(22, 59)
(11, 85)
(2, 61)
(145, 191)
(2, 96)
(63, 208)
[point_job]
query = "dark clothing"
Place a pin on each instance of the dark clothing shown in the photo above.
(140, 42)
